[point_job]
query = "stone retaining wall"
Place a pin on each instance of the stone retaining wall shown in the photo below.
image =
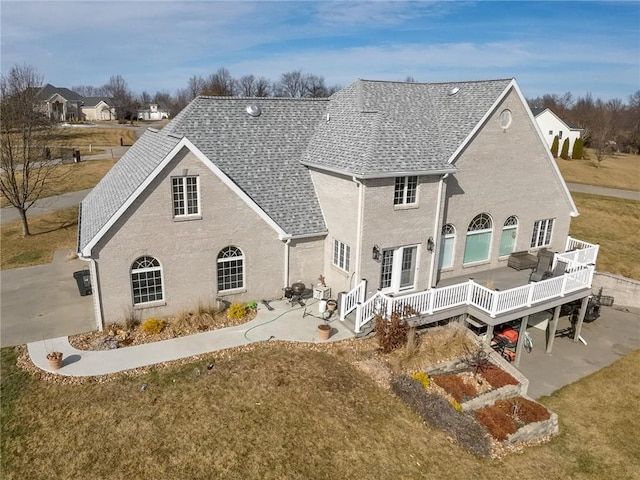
(535, 431)
(626, 291)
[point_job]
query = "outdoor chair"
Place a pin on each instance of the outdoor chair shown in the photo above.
(543, 268)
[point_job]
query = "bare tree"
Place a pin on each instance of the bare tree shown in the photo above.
(262, 87)
(195, 86)
(89, 91)
(220, 84)
(26, 133)
(118, 90)
(314, 86)
(246, 86)
(292, 84)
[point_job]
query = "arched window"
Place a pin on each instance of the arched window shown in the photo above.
(230, 269)
(509, 233)
(146, 280)
(478, 242)
(447, 243)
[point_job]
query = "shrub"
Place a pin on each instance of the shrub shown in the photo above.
(578, 149)
(439, 413)
(152, 326)
(422, 378)
(554, 146)
(456, 406)
(236, 311)
(497, 377)
(391, 333)
(565, 149)
(455, 386)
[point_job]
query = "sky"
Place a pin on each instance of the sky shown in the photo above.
(549, 47)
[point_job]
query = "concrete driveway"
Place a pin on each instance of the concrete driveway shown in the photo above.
(42, 302)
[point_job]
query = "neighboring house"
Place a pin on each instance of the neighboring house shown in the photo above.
(153, 112)
(60, 104)
(402, 184)
(553, 126)
(98, 108)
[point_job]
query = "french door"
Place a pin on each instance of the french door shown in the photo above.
(398, 270)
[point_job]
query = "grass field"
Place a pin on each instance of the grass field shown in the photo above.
(50, 232)
(73, 177)
(614, 224)
(280, 411)
(621, 171)
(78, 137)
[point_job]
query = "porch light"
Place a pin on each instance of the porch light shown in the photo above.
(375, 254)
(430, 244)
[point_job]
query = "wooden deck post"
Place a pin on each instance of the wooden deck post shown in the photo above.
(552, 327)
(520, 344)
(489, 335)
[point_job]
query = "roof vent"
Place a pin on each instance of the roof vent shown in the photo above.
(254, 110)
(454, 90)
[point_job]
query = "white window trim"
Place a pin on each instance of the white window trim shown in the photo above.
(396, 269)
(545, 226)
(244, 271)
(186, 215)
(405, 191)
(159, 268)
(343, 262)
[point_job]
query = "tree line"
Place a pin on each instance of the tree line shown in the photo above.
(608, 126)
(293, 84)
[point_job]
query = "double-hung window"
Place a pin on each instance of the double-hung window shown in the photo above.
(186, 196)
(406, 190)
(341, 255)
(542, 233)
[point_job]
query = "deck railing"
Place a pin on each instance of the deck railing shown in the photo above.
(349, 301)
(578, 275)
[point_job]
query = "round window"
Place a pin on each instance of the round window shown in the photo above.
(505, 118)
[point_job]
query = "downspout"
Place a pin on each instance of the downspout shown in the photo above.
(286, 263)
(95, 290)
(437, 228)
(358, 230)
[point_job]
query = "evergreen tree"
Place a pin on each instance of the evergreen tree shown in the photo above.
(554, 146)
(578, 149)
(565, 149)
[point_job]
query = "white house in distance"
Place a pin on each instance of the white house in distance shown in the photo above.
(551, 126)
(389, 190)
(98, 108)
(153, 112)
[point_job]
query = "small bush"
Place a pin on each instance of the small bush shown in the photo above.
(455, 386)
(422, 378)
(132, 319)
(236, 311)
(152, 326)
(456, 406)
(578, 149)
(391, 333)
(554, 146)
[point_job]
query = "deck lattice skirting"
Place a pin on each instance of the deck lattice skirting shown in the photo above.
(579, 256)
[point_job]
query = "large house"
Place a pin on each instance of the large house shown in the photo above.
(60, 104)
(405, 185)
(98, 108)
(552, 126)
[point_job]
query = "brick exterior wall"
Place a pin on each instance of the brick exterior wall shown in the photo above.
(505, 172)
(187, 250)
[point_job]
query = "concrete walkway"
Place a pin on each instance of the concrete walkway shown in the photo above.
(283, 323)
(604, 191)
(45, 205)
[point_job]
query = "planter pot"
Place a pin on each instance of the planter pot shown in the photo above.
(55, 363)
(324, 331)
(332, 305)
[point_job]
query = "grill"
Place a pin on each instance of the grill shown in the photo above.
(294, 293)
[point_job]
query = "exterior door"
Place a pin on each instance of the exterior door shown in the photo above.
(398, 269)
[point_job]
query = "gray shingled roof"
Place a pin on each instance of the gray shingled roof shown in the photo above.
(121, 182)
(261, 154)
(48, 90)
(93, 101)
(388, 128)
(367, 129)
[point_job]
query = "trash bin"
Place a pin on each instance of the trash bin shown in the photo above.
(84, 281)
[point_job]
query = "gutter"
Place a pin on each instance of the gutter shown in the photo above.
(367, 176)
(359, 228)
(437, 236)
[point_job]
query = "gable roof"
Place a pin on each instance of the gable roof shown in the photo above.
(377, 129)
(94, 101)
(370, 129)
(49, 90)
(539, 111)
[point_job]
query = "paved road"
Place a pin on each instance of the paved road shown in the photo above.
(45, 205)
(605, 192)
